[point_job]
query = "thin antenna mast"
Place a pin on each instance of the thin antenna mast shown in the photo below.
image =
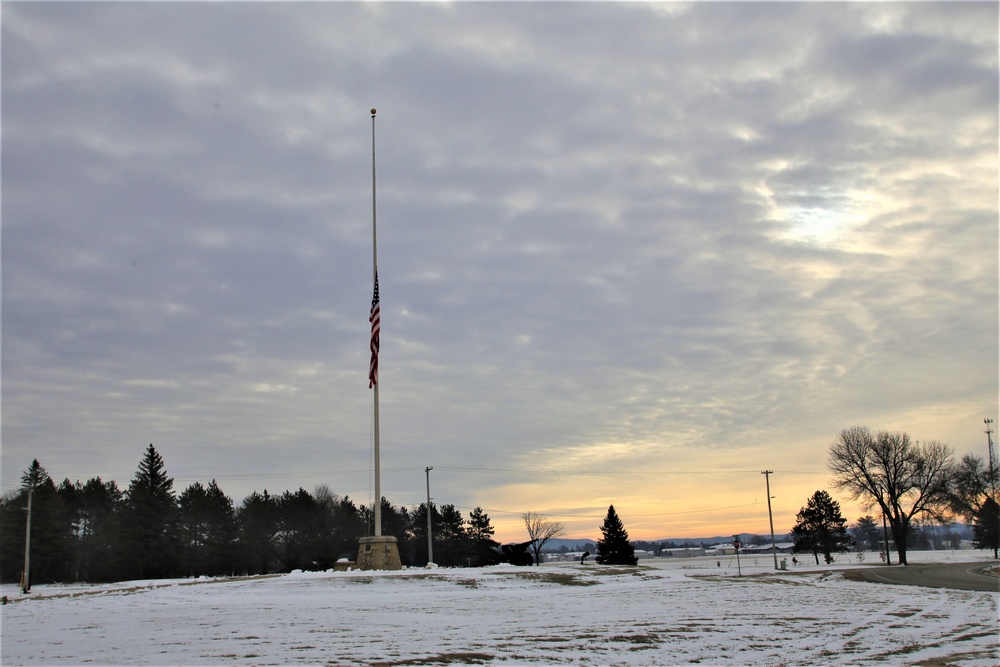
(989, 437)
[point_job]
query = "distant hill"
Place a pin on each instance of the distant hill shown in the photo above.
(572, 543)
(577, 543)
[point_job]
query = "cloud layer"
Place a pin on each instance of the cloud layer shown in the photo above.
(627, 253)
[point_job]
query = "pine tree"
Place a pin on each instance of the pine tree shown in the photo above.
(150, 520)
(986, 529)
(614, 547)
(485, 550)
(51, 528)
(418, 531)
(51, 554)
(301, 531)
(207, 530)
(348, 526)
(79, 503)
(820, 527)
(867, 533)
(98, 509)
(450, 538)
(258, 524)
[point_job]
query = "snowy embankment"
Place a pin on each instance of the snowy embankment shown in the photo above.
(664, 612)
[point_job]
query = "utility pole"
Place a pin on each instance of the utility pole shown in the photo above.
(26, 575)
(774, 548)
(992, 470)
(885, 533)
(430, 538)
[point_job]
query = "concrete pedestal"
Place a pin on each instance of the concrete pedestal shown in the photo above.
(378, 553)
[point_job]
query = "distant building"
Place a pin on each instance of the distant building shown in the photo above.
(683, 552)
(724, 549)
(780, 547)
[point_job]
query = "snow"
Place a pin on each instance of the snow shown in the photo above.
(664, 612)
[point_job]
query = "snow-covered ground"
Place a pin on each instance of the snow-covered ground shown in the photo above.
(665, 612)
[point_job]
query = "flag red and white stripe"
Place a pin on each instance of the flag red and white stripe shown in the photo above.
(376, 319)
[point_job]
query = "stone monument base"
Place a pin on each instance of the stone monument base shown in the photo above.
(378, 553)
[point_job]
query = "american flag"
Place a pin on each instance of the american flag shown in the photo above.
(376, 320)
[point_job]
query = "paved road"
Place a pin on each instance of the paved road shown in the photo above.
(964, 576)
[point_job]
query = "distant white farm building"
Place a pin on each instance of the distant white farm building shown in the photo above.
(683, 552)
(724, 549)
(780, 547)
(727, 549)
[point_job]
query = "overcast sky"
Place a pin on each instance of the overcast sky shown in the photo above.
(628, 253)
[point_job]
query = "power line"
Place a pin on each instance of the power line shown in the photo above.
(560, 472)
(599, 515)
(237, 477)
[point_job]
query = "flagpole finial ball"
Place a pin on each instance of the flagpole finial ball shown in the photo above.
(373, 112)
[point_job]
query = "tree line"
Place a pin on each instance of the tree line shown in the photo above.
(95, 531)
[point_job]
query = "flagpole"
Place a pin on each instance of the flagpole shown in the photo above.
(378, 484)
(376, 552)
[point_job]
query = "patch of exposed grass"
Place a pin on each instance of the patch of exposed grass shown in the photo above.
(560, 578)
(786, 579)
(534, 639)
(976, 635)
(441, 659)
(645, 638)
(612, 570)
(956, 659)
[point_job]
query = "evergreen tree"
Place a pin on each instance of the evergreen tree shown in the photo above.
(348, 526)
(418, 533)
(150, 521)
(51, 529)
(206, 530)
(12, 521)
(51, 552)
(820, 527)
(484, 549)
(867, 534)
(95, 508)
(450, 543)
(300, 539)
(614, 547)
(257, 523)
(222, 531)
(986, 529)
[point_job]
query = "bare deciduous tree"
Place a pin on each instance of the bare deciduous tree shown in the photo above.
(889, 471)
(540, 529)
(975, 481)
